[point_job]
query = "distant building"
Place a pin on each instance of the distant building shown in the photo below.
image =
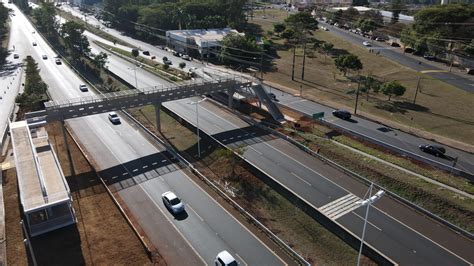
(198, 42)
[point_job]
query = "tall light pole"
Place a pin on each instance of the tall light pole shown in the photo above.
(371, 200)
(197, 123)
(135, 71)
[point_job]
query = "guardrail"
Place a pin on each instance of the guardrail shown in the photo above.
(360, 178)
(234, 204)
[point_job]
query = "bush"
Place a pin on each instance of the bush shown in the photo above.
(182, 65)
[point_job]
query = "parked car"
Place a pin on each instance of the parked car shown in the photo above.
(58, 61)
(114, 118)
(186, 57)
(146, 52)
(16, 56)
(45, 57)
(395, 44)
(34, 44)
(429, 57)
(176, 54)
(82, 87)
(380, 39)
(225, 259)
(366, 43)
(172, 202)
(343, 114)
(168, 62)
(273, 96)
(470, 71)
(435, 150)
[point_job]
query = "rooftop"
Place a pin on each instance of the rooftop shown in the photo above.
(40, 178)
(203, 35)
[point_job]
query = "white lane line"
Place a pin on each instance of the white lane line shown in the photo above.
(171, 222)
(242, 260)
(342, 188)
(189, 207)
(362, 218)
(254, 150)
(300, 178)
(155, 163)
(145, 166)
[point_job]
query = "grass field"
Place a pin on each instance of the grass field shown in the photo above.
(440, 109)
(300, 231)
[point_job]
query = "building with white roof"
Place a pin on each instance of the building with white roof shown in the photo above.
(202, 41)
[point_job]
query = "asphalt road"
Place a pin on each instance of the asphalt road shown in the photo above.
(407, 239)
(464, 83)
(377, 131)
(139, 172)
(397, 231)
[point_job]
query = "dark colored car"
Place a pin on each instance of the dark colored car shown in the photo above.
(342, 114)
(433, 150)
(273, 96)
(146, 52)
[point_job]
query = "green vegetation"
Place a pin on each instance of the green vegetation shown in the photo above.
(45, 18)
(35, 89)
(347, 62)
(74, 40)
(441, 28)
(3, 33)
(238, 49)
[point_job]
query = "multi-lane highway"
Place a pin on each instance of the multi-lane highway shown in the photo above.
(395, 230)
(391, 136)
(139, 171)
(374, 130)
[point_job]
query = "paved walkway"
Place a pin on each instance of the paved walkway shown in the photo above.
(3, 250)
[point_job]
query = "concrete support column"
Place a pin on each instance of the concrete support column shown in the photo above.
(157, 114)
(68, 151)
(230, 92)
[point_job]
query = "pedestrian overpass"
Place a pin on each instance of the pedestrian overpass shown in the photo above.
(101, 103)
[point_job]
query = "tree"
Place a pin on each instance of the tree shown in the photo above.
(350, 15)
(326, 47)
(288, 34)
(74, 40)
(366, 25)
(135, 52)
(99, 60)
(238, 49)
(336, 17)
(279, 27)
(397, 6)
(45, 17)
(182, 65)
(231, 159)
(347, 62)
(360, 2)
(374, 15)
(301, 23)
(35, 88)
(393, 88)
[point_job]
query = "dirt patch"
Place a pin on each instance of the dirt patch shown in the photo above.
(101, 235)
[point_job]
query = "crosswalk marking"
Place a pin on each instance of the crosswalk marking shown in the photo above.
(341, 206)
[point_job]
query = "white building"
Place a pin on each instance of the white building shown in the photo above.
(204, 42)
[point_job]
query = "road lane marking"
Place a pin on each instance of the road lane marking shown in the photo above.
(171, 222)
(200, 218)
(363, 219)
(240, 258)
(301, 179)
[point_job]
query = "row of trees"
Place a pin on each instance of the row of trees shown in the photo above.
(35, 89)
(3, 29)
(171, 15)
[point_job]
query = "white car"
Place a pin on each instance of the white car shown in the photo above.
(45, 57)
(225, 259)
(186, 57)
(366, 43)
(114, 118)
(83, 87)
(172, 202)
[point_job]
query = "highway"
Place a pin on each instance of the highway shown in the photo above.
(139, 171)
(394, 229)
(462, 81)
(393, 137)
(377, 131)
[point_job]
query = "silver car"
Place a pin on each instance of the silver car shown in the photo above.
(172, 202)
(114, 118)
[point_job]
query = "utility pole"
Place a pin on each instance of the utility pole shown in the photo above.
(261, 66)
(293, 68)
(357, 96)
(417, 88)
(304, 60)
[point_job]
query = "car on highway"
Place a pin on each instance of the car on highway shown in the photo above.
(45, 57)
(16, 56)
(225, 259)
(35, 44)
(83, 87)
(172, 202)
(186, 57)
(114, 118)
(429, 57)
(146, 52)
(58, 61)
(366, 43)
(176, 54)
(435, 150)
(380, 39)
(343, 114)
(273, 96)
(167, 62)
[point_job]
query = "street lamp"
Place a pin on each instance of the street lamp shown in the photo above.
(135, 70)
(197, 123)
(371, 200)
